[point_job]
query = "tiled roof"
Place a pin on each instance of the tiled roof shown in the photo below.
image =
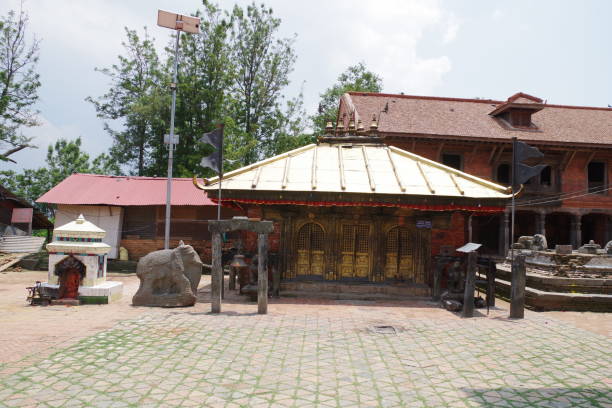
(359, 169)
(122, 191)
(469, 118)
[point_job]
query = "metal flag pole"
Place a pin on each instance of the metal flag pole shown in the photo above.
(220, 175)
(171, 145)
(513, 177)
(178, 23)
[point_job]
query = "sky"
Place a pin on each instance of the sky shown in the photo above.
(553, 49)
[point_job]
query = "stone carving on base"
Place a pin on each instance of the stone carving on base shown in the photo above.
(608, 248)
(168, 277)
(539, 243)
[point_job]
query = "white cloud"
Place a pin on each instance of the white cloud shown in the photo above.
(497, 14)
(388, 35)
(452, 27)
(385, 34)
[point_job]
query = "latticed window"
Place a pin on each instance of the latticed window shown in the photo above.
(311, 237)
(355, 238)
(362, 241)
(398, 241)
(348, 237)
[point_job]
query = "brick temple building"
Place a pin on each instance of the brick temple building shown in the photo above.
(569, 201)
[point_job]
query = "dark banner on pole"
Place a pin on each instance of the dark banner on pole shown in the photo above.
(215, 160)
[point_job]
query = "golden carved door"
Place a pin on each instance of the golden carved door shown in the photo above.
(355, 251)
(310, 254)
(399, 254)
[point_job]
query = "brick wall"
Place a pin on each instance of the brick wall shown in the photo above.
(138, 248)
(454, 236)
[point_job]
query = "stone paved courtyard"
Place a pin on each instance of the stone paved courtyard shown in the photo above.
(309, 353)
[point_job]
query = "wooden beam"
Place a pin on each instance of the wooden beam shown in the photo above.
(313, 176)
(452, 176)
(286, 172)
(498, 155)
(256, 178)
(413, 145)
(341, 166)
(492, 154)
(472, 155)
(439, 152)
(567, 159)
(397, 176)
(368, 170)
(431, 190)
(591, 155)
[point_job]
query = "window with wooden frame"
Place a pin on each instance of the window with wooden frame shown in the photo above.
(452, 160)
(596, 177)
(502, 173)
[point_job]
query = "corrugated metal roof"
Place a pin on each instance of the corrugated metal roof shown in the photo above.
(358, 168)
(94, 189)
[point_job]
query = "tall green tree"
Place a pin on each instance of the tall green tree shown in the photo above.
(263, 63)
(355, 78)
(137, 98)
(204, 77)
(19, 83)
(64, 158)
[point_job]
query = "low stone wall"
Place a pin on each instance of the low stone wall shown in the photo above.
(554, 293)
(559, 284)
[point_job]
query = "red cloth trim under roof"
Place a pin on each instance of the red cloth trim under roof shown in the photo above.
(422, 207)
(94, 189)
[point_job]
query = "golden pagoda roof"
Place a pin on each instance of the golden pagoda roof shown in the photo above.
(357, 168)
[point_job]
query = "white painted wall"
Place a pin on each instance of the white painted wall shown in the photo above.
(110, 219)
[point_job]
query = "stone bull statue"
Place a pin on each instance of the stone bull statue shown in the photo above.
(169, 277)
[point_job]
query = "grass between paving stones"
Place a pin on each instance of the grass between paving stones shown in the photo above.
(180, 359)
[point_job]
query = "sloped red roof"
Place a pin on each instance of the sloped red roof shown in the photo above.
(123, 191)
(469, 118)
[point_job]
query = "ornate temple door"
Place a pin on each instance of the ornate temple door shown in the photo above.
(310, 254)
(355, 251)
(399, 254)
(69, 284)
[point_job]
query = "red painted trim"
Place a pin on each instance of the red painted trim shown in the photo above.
(423, 207)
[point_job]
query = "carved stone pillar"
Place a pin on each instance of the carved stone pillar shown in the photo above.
(504, 234)
(542, 222)
(576, 233)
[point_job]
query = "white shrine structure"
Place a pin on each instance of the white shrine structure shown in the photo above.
(77, 264)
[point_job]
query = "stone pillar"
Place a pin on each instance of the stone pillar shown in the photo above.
(470, 281)
(517, 289)
(504, 234)
(542, 222)
(576, 233)
(262, 273)
(216, 275)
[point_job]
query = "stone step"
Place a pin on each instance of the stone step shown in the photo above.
(350, 290)
(542, 300)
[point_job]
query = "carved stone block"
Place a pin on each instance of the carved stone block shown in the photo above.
(169, 277)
